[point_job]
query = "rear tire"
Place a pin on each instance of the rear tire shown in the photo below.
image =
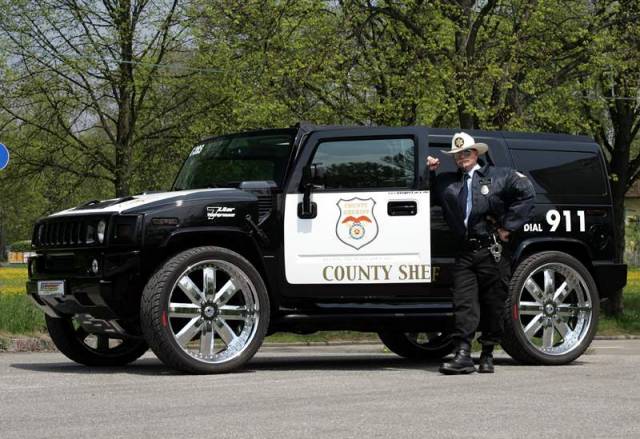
(92, 349)
(206, 310)
(552, 310)
(418, 345)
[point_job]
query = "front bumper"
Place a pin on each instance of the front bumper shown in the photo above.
(104, 295)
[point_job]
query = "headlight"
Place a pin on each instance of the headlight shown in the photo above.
(124, 230)
(102, 226)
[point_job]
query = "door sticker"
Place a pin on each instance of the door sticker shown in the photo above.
(357, 225)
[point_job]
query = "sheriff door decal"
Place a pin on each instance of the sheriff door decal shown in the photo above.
(357, 225)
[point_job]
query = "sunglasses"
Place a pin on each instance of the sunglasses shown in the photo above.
(465, 153)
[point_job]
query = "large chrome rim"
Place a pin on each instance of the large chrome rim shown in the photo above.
(213, 311)
(554, 309)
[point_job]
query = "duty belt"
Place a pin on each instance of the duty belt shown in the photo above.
(477, 242)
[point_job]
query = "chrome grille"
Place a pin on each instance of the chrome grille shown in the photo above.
(66, 232)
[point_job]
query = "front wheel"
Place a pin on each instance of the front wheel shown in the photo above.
(418, 345)
(206, 310)
(92, 349)
(552, 310)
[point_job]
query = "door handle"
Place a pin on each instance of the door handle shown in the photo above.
(402, 208)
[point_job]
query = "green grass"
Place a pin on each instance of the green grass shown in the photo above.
(18, 315)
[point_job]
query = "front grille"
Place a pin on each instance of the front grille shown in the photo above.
(66, 232)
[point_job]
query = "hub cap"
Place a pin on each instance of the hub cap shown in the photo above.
(213, 311)
(554, 309)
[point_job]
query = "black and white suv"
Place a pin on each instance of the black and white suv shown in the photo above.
(319, 228)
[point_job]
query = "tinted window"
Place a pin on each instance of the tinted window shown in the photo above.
(565, 173)
(365, 164)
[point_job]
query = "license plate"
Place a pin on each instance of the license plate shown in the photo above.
(51, 288)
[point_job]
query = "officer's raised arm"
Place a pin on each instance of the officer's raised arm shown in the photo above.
(520, 202)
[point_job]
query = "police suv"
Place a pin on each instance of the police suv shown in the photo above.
(320, 228)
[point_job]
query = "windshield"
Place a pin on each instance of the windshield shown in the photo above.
(228, 161)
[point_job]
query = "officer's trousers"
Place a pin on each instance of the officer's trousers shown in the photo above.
(480, 288)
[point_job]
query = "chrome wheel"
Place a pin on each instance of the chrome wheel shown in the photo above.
(554, 309)
(213, 311)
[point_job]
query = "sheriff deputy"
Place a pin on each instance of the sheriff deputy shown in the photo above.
(482, 205)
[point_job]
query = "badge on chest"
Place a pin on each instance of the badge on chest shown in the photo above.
(485, 186)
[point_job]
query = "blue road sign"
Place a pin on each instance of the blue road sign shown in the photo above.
(4, 156)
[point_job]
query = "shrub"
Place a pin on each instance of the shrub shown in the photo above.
(20, 246)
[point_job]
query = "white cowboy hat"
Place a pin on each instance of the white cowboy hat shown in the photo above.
(462, 141)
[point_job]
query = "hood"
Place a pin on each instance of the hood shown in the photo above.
(141, 202)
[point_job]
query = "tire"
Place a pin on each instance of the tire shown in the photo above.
(418, 345)
(553, 324)
(206, 310)
(92, 349)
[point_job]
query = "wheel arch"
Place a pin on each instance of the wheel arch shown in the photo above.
(572, 247)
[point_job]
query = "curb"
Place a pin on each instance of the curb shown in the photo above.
(617, 337)
(26, 344)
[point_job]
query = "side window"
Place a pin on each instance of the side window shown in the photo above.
(562, 172)
(355, 164)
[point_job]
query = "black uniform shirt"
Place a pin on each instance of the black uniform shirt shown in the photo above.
(497, 192)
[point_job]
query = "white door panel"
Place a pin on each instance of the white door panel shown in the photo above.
(353, 239)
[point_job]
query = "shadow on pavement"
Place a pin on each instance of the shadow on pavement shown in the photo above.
(269, 362)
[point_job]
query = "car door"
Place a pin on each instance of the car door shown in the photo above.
(367, 215)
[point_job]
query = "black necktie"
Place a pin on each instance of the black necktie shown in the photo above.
(462, 196)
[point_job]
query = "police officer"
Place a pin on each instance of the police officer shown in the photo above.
(482, 205)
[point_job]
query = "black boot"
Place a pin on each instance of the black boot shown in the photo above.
(486, 359)
(461, 363)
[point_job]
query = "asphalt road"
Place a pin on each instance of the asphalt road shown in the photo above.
(335, 391)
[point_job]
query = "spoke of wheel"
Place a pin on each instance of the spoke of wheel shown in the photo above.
(207, 340)
(209, 282)
(571, 310)
(224, 331)
(191, 290)
(533, 288)
(184, 310)
(189, 331)
(226, 293)
(103, 342)
(230, 312)
(563, 328)
(549, 284)
(547, 336)
(530, 308)
(81, 334)
(567, 287)
(534, 326)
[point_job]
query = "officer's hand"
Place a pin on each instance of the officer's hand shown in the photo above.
(503, 234)
(433, 163)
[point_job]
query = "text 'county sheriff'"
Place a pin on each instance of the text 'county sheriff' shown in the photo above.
(402, 272)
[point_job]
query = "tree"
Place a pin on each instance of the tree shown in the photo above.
(88, 77)
(611, 104)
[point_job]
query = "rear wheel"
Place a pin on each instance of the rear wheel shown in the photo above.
(418, 345)
(92, 349)
(552, 310)
(206, 310)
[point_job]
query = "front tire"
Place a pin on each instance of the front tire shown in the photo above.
(552, 310)
(92, 349)
(206, 310)
(430, 346)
